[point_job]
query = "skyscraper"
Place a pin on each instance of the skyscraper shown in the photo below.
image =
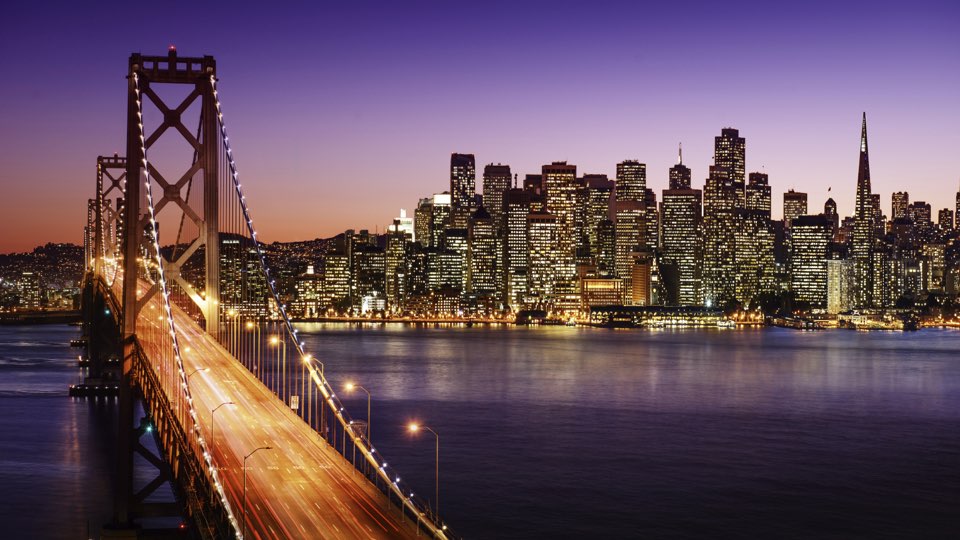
(794, 206)
(730, 151)
(463, 188)
(482, 254)
(516, 207)
(599, 192)
(541, 248)
(719, 237)
(864, 228)
(680, 174)
(496, 180)
(630, 216)
(811, 241)
(754, 242)
(681, 212)
(900, 202)
(560, 184)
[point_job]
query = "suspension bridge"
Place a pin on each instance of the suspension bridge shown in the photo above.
(183, 320)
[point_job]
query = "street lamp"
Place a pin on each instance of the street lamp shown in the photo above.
(213, 440)
(243, 506)
(414, 428)
(350, 388)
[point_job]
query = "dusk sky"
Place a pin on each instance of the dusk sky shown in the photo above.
(342, 113)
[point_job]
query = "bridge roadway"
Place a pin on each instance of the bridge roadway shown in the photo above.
(302, 488)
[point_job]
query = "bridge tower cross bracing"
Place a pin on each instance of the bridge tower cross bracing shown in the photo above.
(153, 71)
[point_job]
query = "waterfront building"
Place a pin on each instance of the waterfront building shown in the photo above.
(600, 292)
(560, 186)
(482, 244)
(463, 188)
(243, 286)
(719, 237)
(650, 231)
(839, 285)
(457, 242)
(934, 267)
(681, 247)
(516, 208)
(811, 237)
(369, 272)
(599, 193)
(628, 236)
(444, 269)
(542, 268)
(864, 230)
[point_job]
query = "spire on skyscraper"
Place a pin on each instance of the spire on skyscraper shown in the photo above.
(680, 155)
(863, 174)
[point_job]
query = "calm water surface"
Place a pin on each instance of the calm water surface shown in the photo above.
(572, 433)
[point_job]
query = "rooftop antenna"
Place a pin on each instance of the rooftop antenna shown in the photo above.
(680, 154)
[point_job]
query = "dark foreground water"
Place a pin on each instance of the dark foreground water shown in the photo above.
(579, 433)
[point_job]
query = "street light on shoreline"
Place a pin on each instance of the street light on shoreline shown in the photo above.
(243, 506)
(414, 428)
(196, 370)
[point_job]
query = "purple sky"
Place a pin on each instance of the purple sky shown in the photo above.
(341, 115)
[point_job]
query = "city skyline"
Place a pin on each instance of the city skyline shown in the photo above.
(354, 101)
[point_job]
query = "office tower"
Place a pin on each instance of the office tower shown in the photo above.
(630, 218)
(417, 284)
(830, 210)
(482, 254)
(607, 254)
(559, 181)
(243, 286)
(600, 292)
(403, 224)
(730, 150)
(631, 182)
(956, 213)
(457, 242)
(719, 237)
(463, 180)
(542, 255)
(680, 176)
(444, 269)
(440, 219)
(681, 212)
(31, 290)
(336, 281)
(901, 201)
(516, 207)
(422, 220)
(599, 192)
(920, 213)
(651, 221)
(794, 206)
(945, 219)
(758, 194)
(369, 274)
(395, 269)
(755, 242)
(839, 285)
(309, 288)
(642, 281)
(934, 267)
(496, 180)
(864, 228)
(533, 184)
(811, 242)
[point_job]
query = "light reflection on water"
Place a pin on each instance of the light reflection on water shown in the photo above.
(572, 432)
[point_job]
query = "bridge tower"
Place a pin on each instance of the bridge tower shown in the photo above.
(148, 74)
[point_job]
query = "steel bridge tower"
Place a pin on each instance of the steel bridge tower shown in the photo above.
(149, 73)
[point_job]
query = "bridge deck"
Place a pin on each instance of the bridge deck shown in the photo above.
(302, 488)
